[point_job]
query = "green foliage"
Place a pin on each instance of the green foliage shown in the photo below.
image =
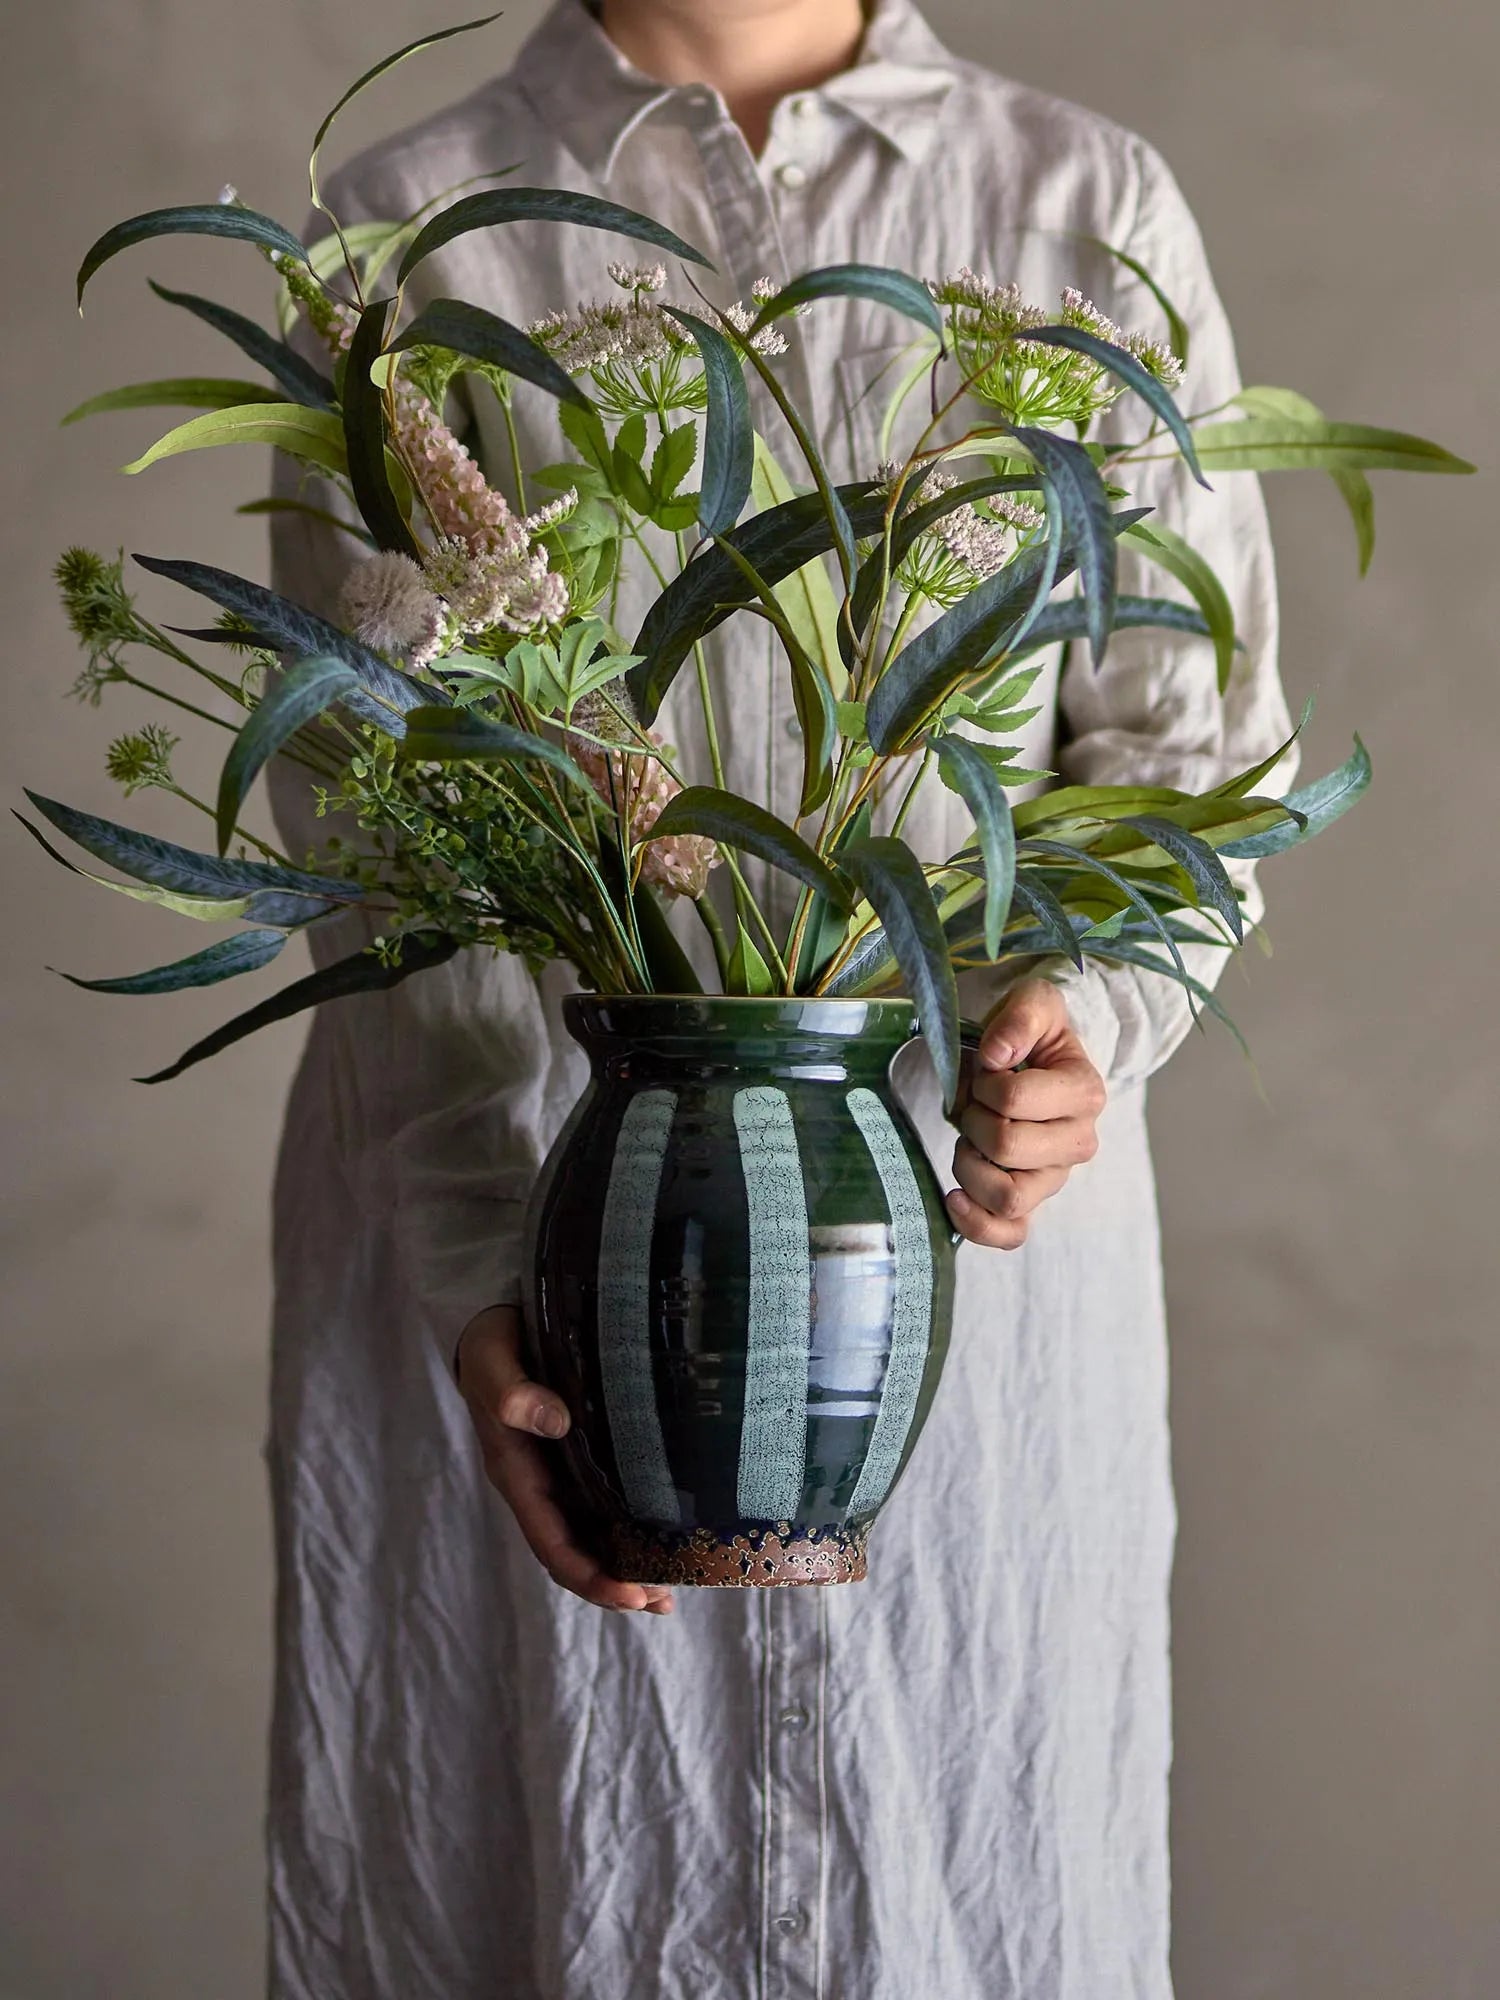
(316, 437)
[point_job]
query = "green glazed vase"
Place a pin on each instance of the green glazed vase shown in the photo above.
(740, 1278)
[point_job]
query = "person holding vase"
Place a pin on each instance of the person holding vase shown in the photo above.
(952, 1779)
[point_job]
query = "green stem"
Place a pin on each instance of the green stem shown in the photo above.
(249, 839)
(713, 923)
(911, 793)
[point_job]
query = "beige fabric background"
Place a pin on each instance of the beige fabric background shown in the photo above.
(1333, 1253)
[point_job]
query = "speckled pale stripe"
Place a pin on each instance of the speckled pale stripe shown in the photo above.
(773, 1439)
(911, 1330)
(625, 1306)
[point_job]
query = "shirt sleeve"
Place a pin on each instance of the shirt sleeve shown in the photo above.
(1153, 714)
(444, 1081)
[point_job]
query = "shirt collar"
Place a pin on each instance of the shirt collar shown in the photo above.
(593, 98)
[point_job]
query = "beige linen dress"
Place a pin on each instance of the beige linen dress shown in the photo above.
(949, 1782)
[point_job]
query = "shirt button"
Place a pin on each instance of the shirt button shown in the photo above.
(804, 107)
(793, 726)
(793, 1921)
(791, 175)
(795, 1719)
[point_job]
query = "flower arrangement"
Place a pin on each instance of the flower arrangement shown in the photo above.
(484, 733)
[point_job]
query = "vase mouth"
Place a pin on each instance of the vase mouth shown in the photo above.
(676, 1023)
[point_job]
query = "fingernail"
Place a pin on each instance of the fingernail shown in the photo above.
(549, 1422)
(997, 1055)
(959, 1200)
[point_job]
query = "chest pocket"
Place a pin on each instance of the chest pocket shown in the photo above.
(867, 380)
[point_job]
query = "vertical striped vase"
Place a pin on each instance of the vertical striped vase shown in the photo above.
(741, 1280)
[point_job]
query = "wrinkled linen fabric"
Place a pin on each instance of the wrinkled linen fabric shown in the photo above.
(948, 1782)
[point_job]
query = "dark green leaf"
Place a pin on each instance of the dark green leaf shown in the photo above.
(471, 331)
(747, 972)
(521, 204)
(675, 455)
(212, 219)
(180, 869)
(1128, 889)
(736, 822)
(857, 281)
(1319, 804)
(1127, 953)
(827, 922)
(1177, 327)
(893, 882)
(455, 735)
(362, 973)
(1068, 620)
(729, 435)
(775, 544)
(247, 951)
(980, 790)
(291, 700)
(1206, 871)
(1090, 529)
(1135, 375)
(302, 382)
(669, 965)
(1035, 896)
(386, 694)
(366, 435)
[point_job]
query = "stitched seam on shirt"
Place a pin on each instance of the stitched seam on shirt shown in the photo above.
(822, 1909)
(764, 1952)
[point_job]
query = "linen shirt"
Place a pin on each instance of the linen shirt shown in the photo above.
(948, 1782)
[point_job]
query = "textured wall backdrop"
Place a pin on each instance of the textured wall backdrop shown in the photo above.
(1333, 1252)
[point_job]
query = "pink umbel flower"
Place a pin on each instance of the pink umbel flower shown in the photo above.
(641, 788)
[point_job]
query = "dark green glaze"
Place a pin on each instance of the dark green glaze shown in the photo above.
(717, 1212)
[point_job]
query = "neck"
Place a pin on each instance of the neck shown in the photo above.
(752, 52)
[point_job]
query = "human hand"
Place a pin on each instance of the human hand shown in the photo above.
(511, 1415)
(1023, 1130)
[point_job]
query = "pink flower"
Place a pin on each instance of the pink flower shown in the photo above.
(641, 788)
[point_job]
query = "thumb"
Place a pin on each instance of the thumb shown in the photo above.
(494, 1378)
(1030, 1013)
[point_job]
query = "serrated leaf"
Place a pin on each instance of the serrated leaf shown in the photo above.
(296, 376)
(981, 791)
(291, 700)
(363, 972)
(498, 206)
(728, 436)
(876, 282)
(482, 336)
(247, 951)
(192, 392)
(739, 823)
(204, 219)
(674, 458)
(314, 436)
(385, 693)
(893, 882)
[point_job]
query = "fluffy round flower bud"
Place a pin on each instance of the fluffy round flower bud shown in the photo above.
(386, 603)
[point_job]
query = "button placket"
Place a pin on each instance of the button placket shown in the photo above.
(795, 1629)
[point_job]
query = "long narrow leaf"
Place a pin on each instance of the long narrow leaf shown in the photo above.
(372, 76)
(208, 219)
(482, 336)
(457, 735)
(361, 973)
(1162, 546)
(287, 368)
(315, 437)
(775, 545)
(1135, 375)
(386, 694)
(892, 879)
(247, 951)
(1121, 951)
(736, 822)
(1127, 888)
(1317, 806)
(1270, 444)
(191, 392)
(497, 206)
(1262, 400)
(293, 699)
(728, 436)
(1202, 865)
(1090, 527)
(1058, 623)
(980, 790)
(876, 282)
(366, 435)
(1051, 917)
(181, 870)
